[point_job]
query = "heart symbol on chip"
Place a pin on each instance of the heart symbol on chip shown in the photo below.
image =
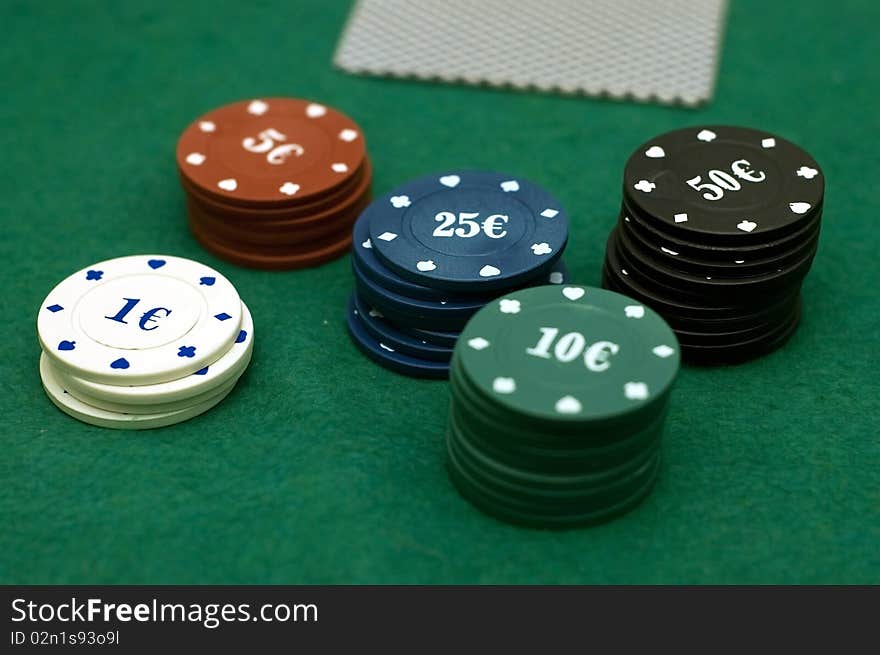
(706, 135)
(67, 345)
(573, 293)
(207, 281)
(426, 266)
(747, 226)
(228, 184)
(195, 158)
(799, 207)
(634, 311)
(489, 271)
(478, 343)
(568, 405)
(450, 180)
(510, 185)
(155, 263)
(504, 385)
(655, 152)
(120, 363)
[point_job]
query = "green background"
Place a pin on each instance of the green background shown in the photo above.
(322, 467)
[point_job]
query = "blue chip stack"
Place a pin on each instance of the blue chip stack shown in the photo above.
(430, 254)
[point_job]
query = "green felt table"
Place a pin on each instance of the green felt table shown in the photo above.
(322, 467)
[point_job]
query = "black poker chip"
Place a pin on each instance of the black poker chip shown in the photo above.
(718, 228)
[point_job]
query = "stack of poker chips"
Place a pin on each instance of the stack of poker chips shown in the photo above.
(718, 229)
(559, 399)
(143, 341)
(433, 252)
(274, 183)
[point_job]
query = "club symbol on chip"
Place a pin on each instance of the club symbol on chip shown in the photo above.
(707, 136)
(509, 186)
(807, 173)
(509, 306)
(399, 202)
(634, 311)
(644, 186)
(541, 248)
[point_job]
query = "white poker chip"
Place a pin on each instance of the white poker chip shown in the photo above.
(158, 408)
(230, 366)
(102, 418)
(139, 320)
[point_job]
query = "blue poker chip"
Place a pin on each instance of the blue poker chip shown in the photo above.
(436, 337)
(369, 266)
(469, 232)
(445, 315)
(385, 332)
(386, 356)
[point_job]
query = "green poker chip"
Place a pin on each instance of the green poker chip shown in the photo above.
(569, 354)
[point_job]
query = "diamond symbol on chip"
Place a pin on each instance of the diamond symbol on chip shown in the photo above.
(768, 143)
(195, 158)
(399, 202)
(663, 351)
(387, 236)
(289, 188)
(257, 107)
(644, 186)
(550, 213)
(680, 218)
(509, 306)
(504, 385)
(478, 343)
(635, 390)
(634, 311)
(339, 167)
(510, 185)
(542, 248)
(807, 173)
(568, 405)
(315, 110)
(706, 135)
(207, 126)
(348, 135)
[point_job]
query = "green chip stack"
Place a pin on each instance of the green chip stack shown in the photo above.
(559, 396)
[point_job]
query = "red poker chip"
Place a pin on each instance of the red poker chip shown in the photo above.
(270, 152)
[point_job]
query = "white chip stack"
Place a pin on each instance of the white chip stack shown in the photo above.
(143, 341)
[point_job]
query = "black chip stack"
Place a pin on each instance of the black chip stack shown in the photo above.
(717, 231)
